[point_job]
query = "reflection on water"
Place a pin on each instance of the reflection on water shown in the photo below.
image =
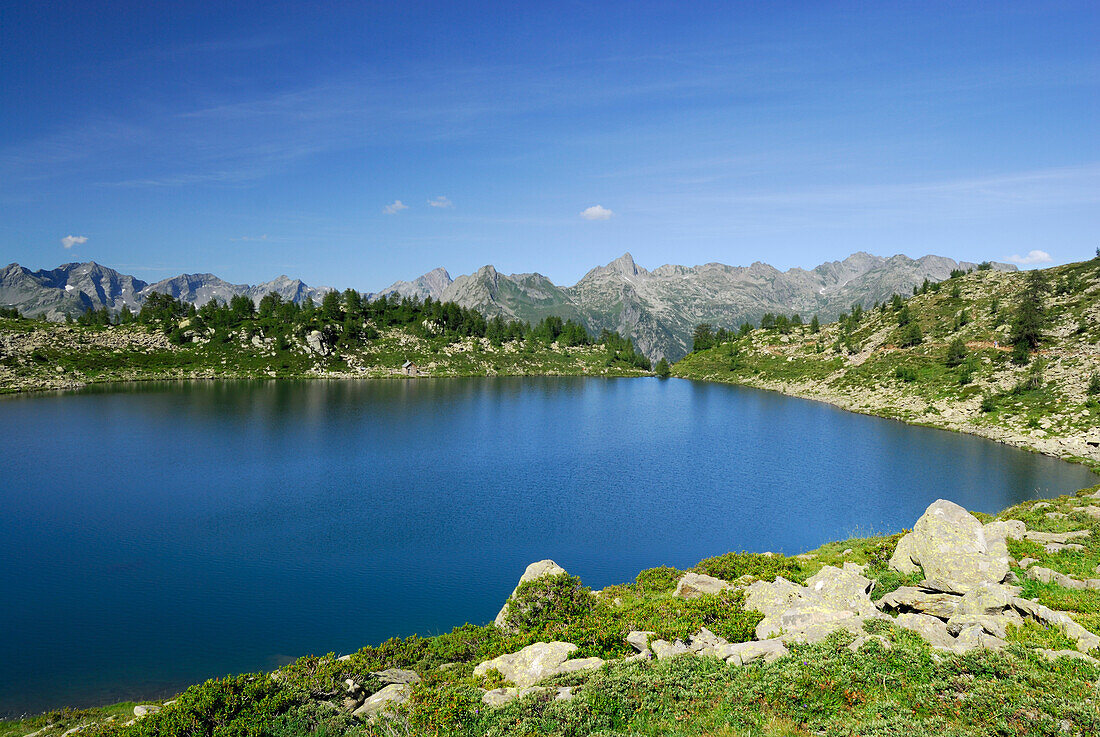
(154, 535)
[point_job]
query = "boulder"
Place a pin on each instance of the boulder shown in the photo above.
(639, 640)
(928, 627)
(1055, 654)
(144, 710)
(664, 650)
(743, 653)
(396, 675)
(384, 700)
(865, 639)
(993, 625)
(832, 599)
(692, 585)
(537, 662)
(998, 533)
(315, 343)
(913, 599)
(987, 600)
(1046, 575)
(1085, 639)
(706, 642)
(1091, 510)
(537, 569)
(975, 637)
(949, 544)
(500, 696)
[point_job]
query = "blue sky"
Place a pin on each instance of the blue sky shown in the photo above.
(253, 139)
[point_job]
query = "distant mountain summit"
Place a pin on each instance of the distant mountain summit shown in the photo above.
(658, 309)
(70, 289)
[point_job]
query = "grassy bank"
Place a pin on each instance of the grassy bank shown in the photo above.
(943, 358)
(889, 687)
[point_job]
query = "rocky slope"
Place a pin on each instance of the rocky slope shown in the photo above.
(864, 364)
(659, 309)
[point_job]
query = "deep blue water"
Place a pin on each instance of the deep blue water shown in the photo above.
(158, 535)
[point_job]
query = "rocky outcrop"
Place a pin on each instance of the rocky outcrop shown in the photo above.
(537, 569)
(834, 598)
(692, 585)
(950, 545)
(384, 700)
(537, 662)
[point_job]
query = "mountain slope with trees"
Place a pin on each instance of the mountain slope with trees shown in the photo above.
(344, 336)
(1010, 356)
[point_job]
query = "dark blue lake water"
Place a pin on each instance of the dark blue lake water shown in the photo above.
(158, 535)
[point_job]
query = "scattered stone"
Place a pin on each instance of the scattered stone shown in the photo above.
(537, 569)
(930, 628)
(1046, 575)
(1059, 547)
(664, 650)
(639, 640)
(1086, 640)
(396, 675)
(144, 710)
(705, 642)
(1041, 505)
(537, 662)
(861, 640)
(500, 696)
(743, 653)
(1056, 537)
(1055, 654)
(1055, 515)
(975, 637)
(913, 599)
(993, 625)
(987, 600)
(1025, 562)
(696, 584)
(831, 599)
(384, 700)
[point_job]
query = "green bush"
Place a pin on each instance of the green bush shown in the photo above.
(905, 373)
(548, 599)
(1094, 384)
(731, 566)
(658, 580)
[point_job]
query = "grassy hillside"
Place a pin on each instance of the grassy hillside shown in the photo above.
(894, 685)
(943, 358)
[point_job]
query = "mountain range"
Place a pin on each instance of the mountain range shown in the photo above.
(658, 309)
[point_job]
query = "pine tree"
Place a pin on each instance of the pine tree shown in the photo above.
(663, 370)
(1030, 318)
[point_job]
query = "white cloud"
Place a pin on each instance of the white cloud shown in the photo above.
(251, 238)
(73, 240)
(395, 208)
(441, 201)
(1032, 257)
(596, 212)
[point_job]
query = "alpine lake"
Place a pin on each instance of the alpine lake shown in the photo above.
(156, 535)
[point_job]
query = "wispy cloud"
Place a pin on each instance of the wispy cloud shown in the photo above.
(73, 240)
(251, 238)
(1032, 257)
(440, 201)
(596, 212)
(394, 207)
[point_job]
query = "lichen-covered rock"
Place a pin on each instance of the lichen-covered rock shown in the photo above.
(500, 696)
(992, 600)
(384, 700)
(537, 569)
(975, 637)
(913, 599)
(396, 675)
(949, 544)
(991, 624)
(664, 650)
(930, 628)
(832, 599)
(743, 653)
(705, 642)
(1085, 639)
(639, 640)
(537, 662)
(692, 585)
